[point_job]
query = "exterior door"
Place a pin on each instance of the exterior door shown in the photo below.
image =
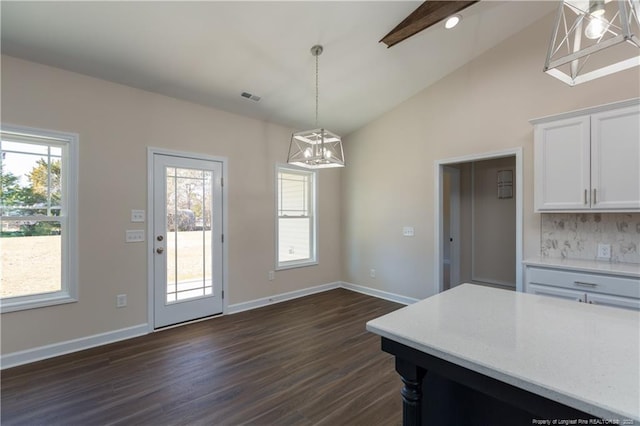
(187, 239)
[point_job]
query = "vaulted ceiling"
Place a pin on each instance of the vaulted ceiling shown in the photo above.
(210, 52)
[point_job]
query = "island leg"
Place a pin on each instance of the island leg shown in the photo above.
(411, 392)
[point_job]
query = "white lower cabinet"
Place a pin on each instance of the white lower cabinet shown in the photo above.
(597, 289)
(615, 301)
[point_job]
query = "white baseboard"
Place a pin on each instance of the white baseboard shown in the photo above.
(266, 301)
(393, 297)
(56, 349)
(49, 351)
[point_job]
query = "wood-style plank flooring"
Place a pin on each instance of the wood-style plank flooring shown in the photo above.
(301, 362)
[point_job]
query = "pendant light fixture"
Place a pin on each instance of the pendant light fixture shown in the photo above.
(318, 148)
(594, 38)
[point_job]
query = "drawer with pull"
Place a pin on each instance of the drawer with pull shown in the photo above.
(596, 283)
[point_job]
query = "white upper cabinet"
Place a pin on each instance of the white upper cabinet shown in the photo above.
(615, 159)
(562, 164)
(589, 160)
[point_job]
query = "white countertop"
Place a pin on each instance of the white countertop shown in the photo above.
(602, 267)
(584, 356)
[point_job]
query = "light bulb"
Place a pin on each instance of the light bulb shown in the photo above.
(452, 21)
(307, 153)
(596, 27)
(327, 153)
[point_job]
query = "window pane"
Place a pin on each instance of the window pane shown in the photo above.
(31, 258)
(24, 147)
(31, 183)
(293, 195)
(295, 216)
(293, 239)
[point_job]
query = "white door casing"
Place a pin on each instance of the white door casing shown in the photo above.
(438, 179)
(185, 237)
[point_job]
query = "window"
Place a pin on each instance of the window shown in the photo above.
(296, 225)
(38, 193)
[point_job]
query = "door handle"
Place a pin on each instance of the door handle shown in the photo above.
(159, 250)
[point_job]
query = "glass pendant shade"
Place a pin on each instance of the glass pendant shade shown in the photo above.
(594, 38)
(316, 149)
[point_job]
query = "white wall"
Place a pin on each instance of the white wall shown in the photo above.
(483, 106)
(387, 184)
(115, 125)
(494, 225)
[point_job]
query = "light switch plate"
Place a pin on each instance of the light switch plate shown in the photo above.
(121, 300)
(137, 215)
(134, 236)
(408, 231)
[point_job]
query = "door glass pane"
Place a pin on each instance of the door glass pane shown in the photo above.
(189, 243)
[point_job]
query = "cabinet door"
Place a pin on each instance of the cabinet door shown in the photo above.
(615, 301)
(615, 159)
(560, 293)
(562, 169)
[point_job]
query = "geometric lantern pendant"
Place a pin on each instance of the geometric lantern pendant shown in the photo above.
(594, 38)
(316, 149)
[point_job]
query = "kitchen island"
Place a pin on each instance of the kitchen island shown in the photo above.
(478, 355)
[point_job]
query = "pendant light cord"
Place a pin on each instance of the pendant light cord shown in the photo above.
(317, 91)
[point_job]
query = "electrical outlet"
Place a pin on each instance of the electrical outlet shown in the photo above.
(271, 275)
(372, 273)
(134, 236)
(121, 300)
(604, 251)
(137, 215)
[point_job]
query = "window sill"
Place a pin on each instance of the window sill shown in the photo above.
(21, 303)
(294, 264)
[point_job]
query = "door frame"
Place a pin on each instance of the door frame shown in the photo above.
(151, 151)
(454, 224)
(438, 180)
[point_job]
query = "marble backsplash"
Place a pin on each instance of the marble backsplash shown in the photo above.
(576, 235)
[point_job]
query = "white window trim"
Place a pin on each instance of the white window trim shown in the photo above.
(69, 292)
(313, 260)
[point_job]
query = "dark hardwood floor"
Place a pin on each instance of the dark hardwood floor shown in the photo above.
(300, 362)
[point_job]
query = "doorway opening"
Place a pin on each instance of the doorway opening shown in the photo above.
(479, 220)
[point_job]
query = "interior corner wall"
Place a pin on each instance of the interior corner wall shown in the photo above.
(483, 106)
(116, 124)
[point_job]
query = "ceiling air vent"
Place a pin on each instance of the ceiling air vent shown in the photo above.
(250, 96)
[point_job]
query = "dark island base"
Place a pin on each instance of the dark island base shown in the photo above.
(438, 392)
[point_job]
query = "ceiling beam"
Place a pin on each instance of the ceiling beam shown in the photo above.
(427, 14)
